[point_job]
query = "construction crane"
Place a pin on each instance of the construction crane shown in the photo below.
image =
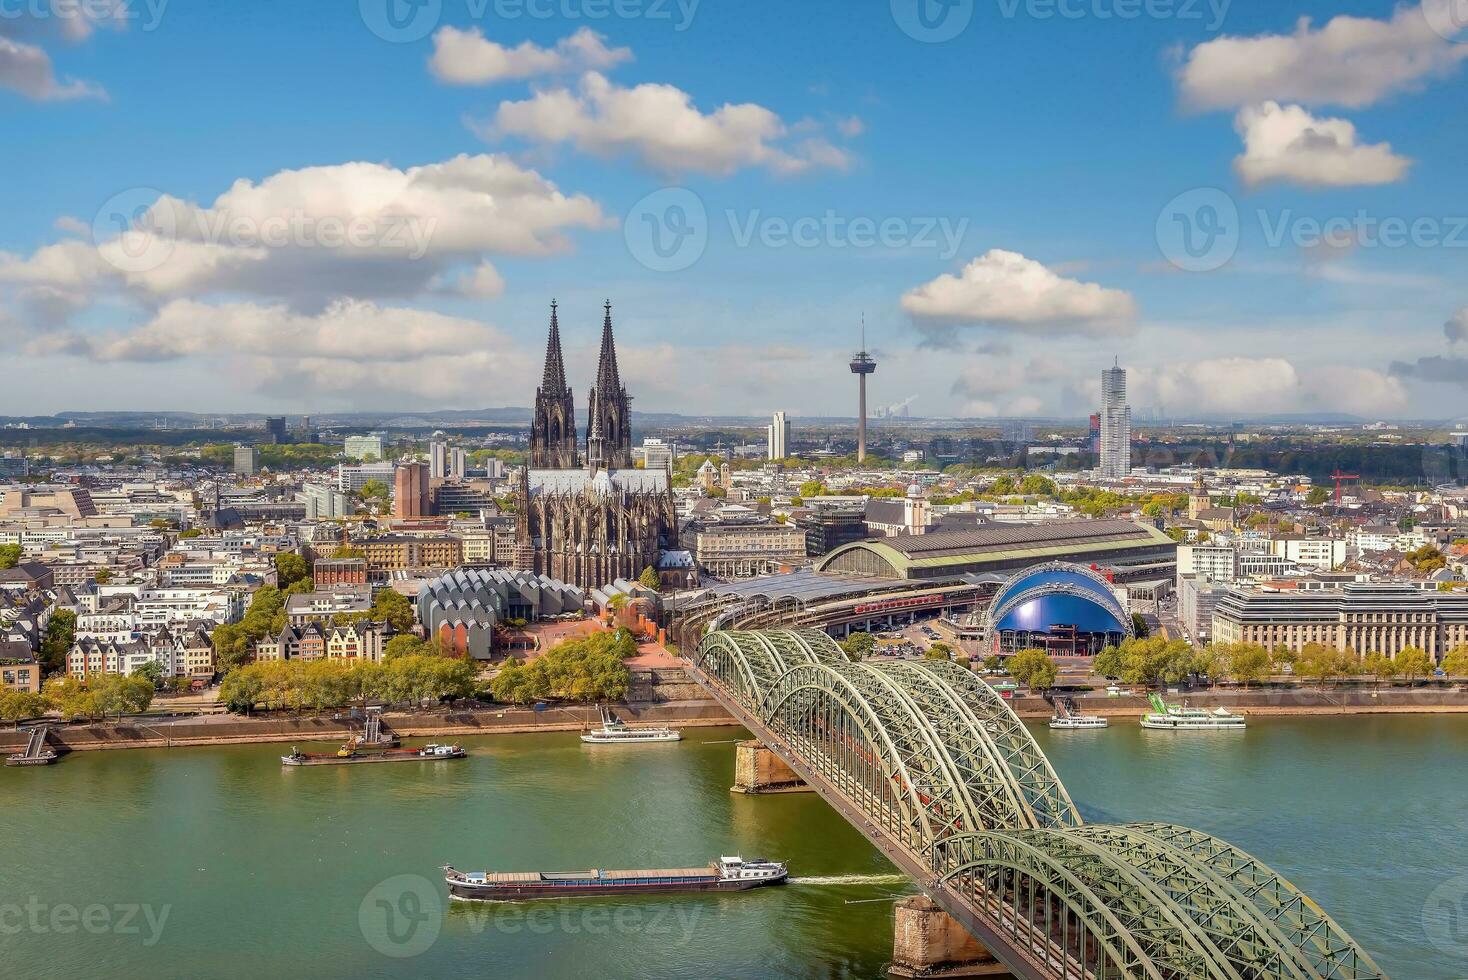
(1340, 478)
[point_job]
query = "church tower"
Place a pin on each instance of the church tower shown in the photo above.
(609, 407)
(553, 433)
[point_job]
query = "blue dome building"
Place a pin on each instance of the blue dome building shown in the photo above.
(1062, 608)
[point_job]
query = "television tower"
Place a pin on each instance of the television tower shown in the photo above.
(862, 365)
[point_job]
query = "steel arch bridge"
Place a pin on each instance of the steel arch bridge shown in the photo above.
(935, 768)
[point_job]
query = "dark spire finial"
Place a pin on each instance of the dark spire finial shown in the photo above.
(554, 381)
(608, 378)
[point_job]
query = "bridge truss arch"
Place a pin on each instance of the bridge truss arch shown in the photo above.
(933, 765)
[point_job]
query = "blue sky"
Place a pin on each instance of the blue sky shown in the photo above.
(1007, 208)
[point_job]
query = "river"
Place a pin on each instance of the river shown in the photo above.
(218, 862)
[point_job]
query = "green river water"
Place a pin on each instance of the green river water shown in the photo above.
(217, 862)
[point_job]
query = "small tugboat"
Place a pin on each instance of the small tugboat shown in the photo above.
(1171, 718)
(1068, 719)
(727, 874)
(350, 754)
(614, 731)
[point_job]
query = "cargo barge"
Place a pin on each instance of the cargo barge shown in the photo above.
(728, 874)
(352, 754)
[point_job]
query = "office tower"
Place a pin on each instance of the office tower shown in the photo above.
(246, 460)
(1116, 425)
(275, 430)
(777, 436)
(438, 456)
(410, 491)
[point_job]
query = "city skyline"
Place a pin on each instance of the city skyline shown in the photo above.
(490, 143)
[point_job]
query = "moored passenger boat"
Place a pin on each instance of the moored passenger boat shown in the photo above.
(615, 731)
(1172, 718)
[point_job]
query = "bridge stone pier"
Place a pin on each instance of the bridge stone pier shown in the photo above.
(757, 770)
(935, 770)
(928, 942)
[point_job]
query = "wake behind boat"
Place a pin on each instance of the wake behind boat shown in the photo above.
(727, 874)
(1172, 718)
(614, 731)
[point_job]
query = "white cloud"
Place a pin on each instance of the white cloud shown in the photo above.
(311, 235)
(482, 282)
(469, 58)
(1351, 61)
(1263, 385)
(1456, 329)
(1286, 143)
(1009, 291)
(27, 69)
(660, 125)
(352, 352)
(348, 330)
(1360, 391)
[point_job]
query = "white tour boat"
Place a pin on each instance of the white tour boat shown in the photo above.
(1067, 719)
(1171, 718)
(614, 731)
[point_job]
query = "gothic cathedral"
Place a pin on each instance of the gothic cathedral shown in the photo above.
(589, 520)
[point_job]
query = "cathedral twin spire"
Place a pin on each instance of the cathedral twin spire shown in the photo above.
(553, 440)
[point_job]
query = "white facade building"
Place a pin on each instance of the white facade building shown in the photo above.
(777, 437)
(658, 454)
(364, 447)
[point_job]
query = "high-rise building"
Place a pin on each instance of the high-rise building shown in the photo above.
(778, 436)
(352, 478)
(275, 430)
(1116, 425)
(410, 491)
(1093, 438)
(438, 456)
(364, 447)
(324, 503)
(458, 463)
(659, 454)
(246, 460)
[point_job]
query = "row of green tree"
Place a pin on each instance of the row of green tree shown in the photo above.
(317, 685)
(100, 697)
(593, 668)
